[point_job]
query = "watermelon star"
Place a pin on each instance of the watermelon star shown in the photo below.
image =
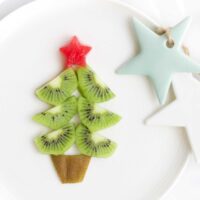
(75, 53)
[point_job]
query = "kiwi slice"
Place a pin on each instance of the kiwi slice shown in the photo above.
(95, 117)
(93, 145)
(59, 89)
(58, 116)
(56, 142)
(91, 87)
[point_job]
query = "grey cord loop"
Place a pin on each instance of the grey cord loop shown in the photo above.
(167, 32)
(170, 41)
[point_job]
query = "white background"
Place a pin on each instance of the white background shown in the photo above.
(166, 12)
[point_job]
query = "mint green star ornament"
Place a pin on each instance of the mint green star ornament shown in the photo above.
(158, 61)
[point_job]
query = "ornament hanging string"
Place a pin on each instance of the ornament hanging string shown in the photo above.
(170, 41)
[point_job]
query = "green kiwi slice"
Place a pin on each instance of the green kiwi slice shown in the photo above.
(56, 142)
(95, 117)
(93, 145)
(58, 116)
(91, 87)
(59, 89)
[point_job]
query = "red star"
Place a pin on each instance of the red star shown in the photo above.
(75, 53)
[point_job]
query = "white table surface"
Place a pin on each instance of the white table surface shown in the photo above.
(166, 12)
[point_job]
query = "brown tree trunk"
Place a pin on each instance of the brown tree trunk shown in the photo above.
(71, 168)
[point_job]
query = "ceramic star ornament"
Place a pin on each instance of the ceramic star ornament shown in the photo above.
(156, 60)
(75, 53)
(184, 111)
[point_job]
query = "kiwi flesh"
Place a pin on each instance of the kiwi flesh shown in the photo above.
(71, 168)
(58, 116)
(92, 144)
(91, 87)
(95, 117)
(56, 142)
(59, 89)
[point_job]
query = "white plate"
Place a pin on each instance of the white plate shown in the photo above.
(148, 159)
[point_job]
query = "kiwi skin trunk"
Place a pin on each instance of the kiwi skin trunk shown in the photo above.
(71, 168)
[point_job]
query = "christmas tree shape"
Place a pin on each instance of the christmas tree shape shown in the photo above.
(65, 131)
